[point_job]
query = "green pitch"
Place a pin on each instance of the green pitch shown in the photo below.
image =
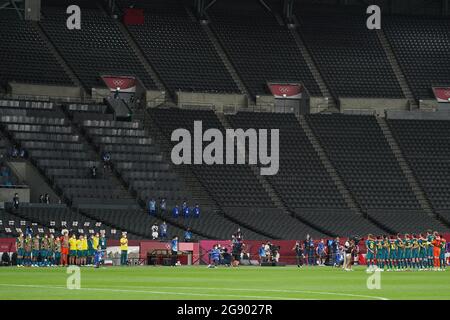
(187, 283)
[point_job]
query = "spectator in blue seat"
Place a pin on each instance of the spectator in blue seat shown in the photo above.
(188, 235)
(152, 207)
(196, 211)
(176, 211)
(185, 209)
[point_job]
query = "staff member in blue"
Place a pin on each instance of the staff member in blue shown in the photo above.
(176, 211)
(196, 211)
(174, 248)
(185, 210)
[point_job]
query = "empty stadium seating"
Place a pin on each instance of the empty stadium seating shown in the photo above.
(179, 49)
(260, 49)
(421, 46)
(425, 146)
(66, 159)
(358, 149)
(349, 56)
(137, 159)
(229, 185)
(302, 181)
(97, 49)
(24, 55)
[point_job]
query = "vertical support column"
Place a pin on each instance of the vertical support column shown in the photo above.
(33, 10)
(288, 7)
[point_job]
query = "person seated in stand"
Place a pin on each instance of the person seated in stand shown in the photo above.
(176, 211)
(196, 211)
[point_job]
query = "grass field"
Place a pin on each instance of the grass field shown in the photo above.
(190, 283)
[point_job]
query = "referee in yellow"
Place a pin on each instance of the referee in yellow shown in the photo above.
(123, 249)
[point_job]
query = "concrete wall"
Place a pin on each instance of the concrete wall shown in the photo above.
(154, 98)
(419, 115)
(98, 94)
(16, 88)
(211, 99)
(7, 194)
(377, 105)
(32, 177)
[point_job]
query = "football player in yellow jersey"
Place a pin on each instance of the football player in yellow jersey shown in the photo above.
(79, 250)
(73, 250)
(84, 250)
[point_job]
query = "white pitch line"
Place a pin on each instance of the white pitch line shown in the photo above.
(208, 294)
(271, 290)
(152, 292)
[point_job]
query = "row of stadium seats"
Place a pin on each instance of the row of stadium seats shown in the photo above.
(350, 56)
(185, 59)
(57, 137)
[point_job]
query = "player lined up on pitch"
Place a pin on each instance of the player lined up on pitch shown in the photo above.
(416, 252)
(64, 250)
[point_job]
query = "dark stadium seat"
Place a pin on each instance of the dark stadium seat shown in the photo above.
(358, 149)
(98, 48)
(350, 57)
(421, 45)
(425, 146)
(302, 181)
(24, 55)
(63, 156)
(260, 49)
(229, 185)
(179, 49)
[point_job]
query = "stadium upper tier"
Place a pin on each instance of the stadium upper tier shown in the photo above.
(244, 46)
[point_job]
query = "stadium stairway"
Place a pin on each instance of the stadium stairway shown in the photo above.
(138, 52)
(271, 191)
(226, 60)
(413, 105)
(198, 191)
(212, 224)
(51, 46)
(332, 101)
(415, 186)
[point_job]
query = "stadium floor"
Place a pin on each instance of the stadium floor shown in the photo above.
(191, 283)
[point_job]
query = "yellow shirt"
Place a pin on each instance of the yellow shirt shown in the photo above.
(84, 244)
(79, 245)
(73, 244)
(95, 241)
(123, 244)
